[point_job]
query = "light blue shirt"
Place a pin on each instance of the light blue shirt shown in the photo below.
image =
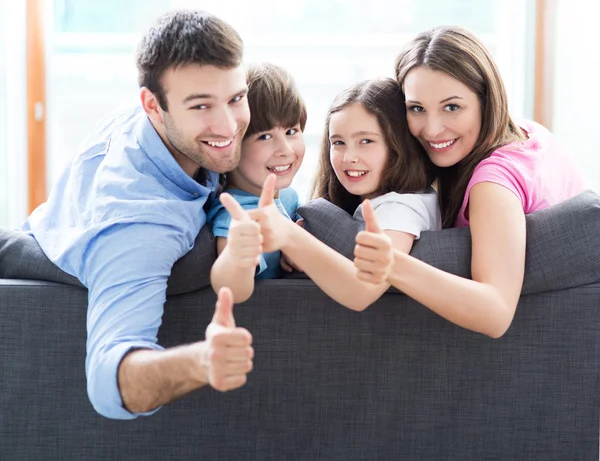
(123, 211)
(220, 219)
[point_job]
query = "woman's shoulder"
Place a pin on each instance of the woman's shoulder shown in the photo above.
(538, 139)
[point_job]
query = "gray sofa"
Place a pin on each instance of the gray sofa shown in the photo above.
(394, 382)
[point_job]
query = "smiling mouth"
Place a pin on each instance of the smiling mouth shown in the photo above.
(279, 169)
(356, 173)
(219, 144)
(441, 145)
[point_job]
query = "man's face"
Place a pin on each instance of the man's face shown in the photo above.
(207, 116)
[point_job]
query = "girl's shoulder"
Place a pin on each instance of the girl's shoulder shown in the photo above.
(428, 195)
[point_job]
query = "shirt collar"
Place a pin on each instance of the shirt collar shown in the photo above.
(179, 182)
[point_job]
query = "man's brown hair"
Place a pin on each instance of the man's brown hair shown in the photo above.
(182, 38)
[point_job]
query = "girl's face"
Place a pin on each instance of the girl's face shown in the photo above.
(443, 114)
(279, 151)
(359, 151)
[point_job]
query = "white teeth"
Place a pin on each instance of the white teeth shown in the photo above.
(219, 144)
(356, 174)
(279, 169)
(442, 145)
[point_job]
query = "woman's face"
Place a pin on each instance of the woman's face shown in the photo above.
(443, 114)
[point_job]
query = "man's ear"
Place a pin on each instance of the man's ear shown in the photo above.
(151, 106)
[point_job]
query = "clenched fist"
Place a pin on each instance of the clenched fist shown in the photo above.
(227, 354)
(374, 252)
(244, 241)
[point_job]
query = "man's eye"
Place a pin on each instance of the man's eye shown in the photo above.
(199, 107)
(264, 136)
(291, 131)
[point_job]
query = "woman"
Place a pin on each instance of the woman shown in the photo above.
(489, 171)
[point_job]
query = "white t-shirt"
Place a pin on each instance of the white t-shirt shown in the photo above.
(410, 213)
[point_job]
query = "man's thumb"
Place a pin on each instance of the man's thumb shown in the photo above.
(224, 309)
(369, 216)
(268, 191)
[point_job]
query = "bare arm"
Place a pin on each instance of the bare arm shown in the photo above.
(228, 272)
(148, 378)
(332, 272)
(487, 303)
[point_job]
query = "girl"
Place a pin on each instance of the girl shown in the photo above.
(366, 153)
(273, 144)
(491, 172)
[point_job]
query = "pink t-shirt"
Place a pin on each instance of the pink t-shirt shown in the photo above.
(539, 171)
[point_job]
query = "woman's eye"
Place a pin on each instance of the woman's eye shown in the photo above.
(291, 131)
(237, 98)
(416, 109)
(366, 141)
(451, 107)
(337, 143)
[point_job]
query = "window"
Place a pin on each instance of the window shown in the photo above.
(326, 44)
(3, 123)
(13, 115)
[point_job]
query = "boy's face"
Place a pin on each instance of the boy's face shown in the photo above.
(279, 151)
(207, 116)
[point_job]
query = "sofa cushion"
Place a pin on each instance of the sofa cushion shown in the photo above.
(563, 242)
(22, 258)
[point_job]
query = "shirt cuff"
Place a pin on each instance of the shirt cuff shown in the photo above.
(262, 265)
(103, 385)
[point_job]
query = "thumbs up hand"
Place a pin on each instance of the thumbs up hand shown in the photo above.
(274, 226)
(227, 353)
(244, 241)
(373, 253)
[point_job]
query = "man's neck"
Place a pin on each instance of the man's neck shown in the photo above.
(187, 165)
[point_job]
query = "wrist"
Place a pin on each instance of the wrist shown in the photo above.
(197, 363)
(397, 269)
(292, 232)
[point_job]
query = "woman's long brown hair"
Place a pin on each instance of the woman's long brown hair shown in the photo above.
(460, 54)
(405, 171)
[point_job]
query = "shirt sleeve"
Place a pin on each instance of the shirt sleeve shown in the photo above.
(220, 220)
(126, 268)
(495, 171)
(290, 202)
(410, 216)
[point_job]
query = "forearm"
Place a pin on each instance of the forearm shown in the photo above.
(468, 303)
(226, 272)
(332, 272)
(149, 379)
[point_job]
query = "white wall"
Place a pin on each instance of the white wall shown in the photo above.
(576, 114)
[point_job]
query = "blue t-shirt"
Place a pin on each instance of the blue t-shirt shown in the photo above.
(219, 218)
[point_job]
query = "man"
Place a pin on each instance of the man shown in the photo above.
(131, 203)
